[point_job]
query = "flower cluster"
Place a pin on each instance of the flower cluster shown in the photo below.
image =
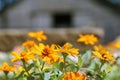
(103, 54)
(39, 61)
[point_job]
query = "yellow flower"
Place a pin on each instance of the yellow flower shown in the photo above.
(67, 48)
(114, 44)
(97, 54)
(99, 48)
(49, 54)
(88, 39)
(29, 44)
(19, 70)
(74, 76)
(38, 49)
(38, 35)
(103, 54)
(5, 67)
(22, 56)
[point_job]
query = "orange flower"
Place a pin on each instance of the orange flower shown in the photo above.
(29, 44)
(114, 44)
(46, 52)
(74, 76)
(67, 48)
(88, 39)
(49, 54)
(7, 68)
(22, 56)
(38, 35)
(103, 54)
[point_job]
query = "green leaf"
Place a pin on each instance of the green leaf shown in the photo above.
(30, 78)
(80, 62)
(86, 57)
(46, 76)
(106, 67)
(57, 77)
(41, 62)
(87, 69)
(36, 74)
(22, 78)
(56, 65)
(61, 66)
(30, 66)
(20, 75)
(98, 77)
(95, 64)
(71, 68)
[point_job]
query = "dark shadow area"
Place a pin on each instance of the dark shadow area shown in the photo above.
(62, 20)
(114, 5)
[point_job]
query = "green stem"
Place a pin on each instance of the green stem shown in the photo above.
(41, 77)
(102, 63)
(37, 68)
(25, 67)
(42, 66)
(64, 64)
(6, 75)
(64, 69)
(99, 71)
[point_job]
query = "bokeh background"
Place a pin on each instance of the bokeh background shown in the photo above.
(33, 14)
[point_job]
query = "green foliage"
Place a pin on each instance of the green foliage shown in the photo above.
(86, 57)
(80, 62)
(95, 69)
(46, 76)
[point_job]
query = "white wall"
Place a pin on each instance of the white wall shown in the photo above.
(42, 20)
(80, 20)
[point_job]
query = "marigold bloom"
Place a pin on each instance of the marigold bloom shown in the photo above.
(29, 44)
(88, 39)
(38, 35)
(5, 67)
(22, 56)
(49, 54)
(74, 76)
(103, 54)
(67, 48)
